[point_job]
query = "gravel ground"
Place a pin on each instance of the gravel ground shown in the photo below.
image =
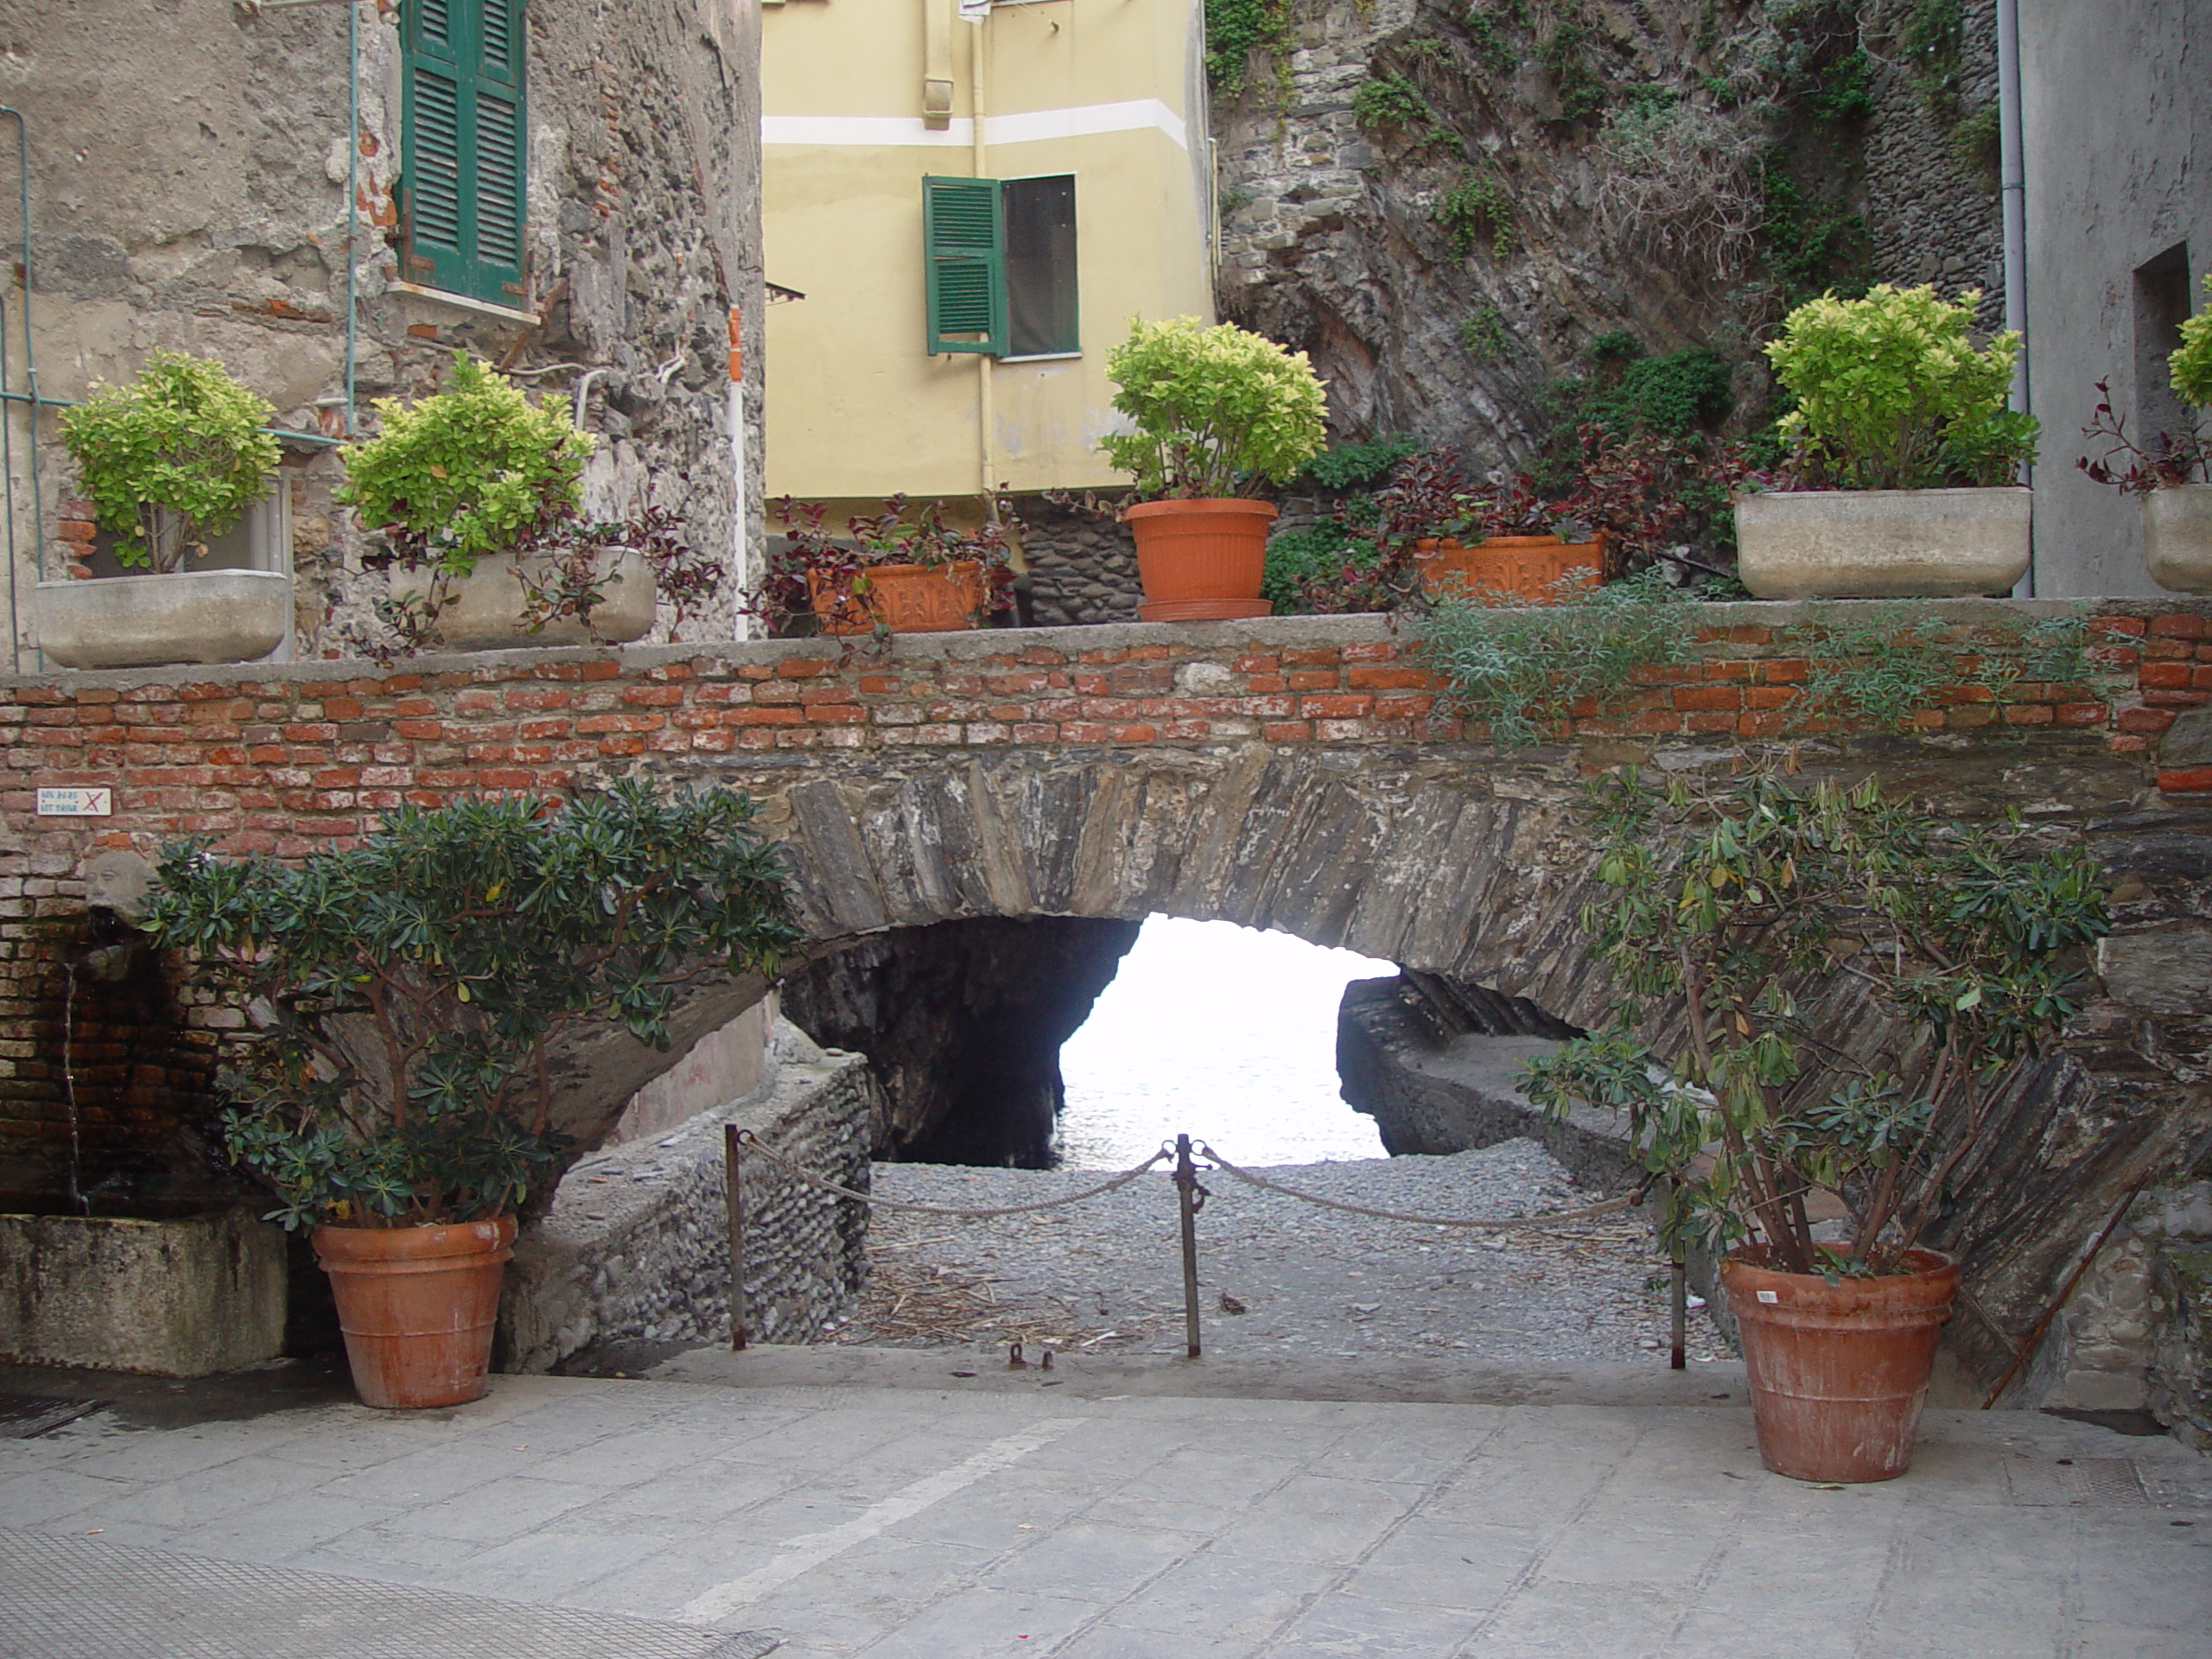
(1106, 1274)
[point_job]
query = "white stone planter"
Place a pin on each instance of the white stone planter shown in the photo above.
(484, 609)
(1882, 544)
(187, 616)
(179, 1297)
(2177, 538)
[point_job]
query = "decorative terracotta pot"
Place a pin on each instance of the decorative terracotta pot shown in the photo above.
(418, 1305)
(904, 598)
(1534, 569)
(1201, 560)
(2177, 538)
(1838, 1371)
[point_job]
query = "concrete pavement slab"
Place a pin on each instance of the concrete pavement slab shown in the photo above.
(865, 1518)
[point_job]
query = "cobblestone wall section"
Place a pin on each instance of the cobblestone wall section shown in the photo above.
(1082, 569)
(636, 1246)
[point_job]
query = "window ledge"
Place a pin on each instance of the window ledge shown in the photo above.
(1045, 357)
(474, 307)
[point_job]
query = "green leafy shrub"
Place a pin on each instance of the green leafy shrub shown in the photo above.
(178, 454)
(407, 990)
(1565, 53)
(1976, 144)
(1311, 556)
(1347, 466)
(1811, 242)
(1892, 394)
(1481, 334)
(1387, 103)
(2190, 366)
(1476, 209)
(1881, 663)
(1519, 669)
(1492, 50)
(1845, 91)
(1932, 36)
(1719, 907)
(1675, 395)
(1216, 409)
(467, 474)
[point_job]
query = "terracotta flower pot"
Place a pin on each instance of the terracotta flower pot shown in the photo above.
(1200, 560)
(1530, 569)
(418, 1305)
(904, 598)
(1838, 1371)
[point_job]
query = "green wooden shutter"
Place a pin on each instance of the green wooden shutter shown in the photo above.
(462, 132)
(964, 245)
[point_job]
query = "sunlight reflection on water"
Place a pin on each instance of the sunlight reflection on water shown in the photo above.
(1222, 1032)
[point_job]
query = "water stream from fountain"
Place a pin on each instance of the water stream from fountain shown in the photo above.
(77, 1200)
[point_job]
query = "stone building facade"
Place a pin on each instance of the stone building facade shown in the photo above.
(228, 180)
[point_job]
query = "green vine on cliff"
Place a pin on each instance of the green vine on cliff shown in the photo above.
(1235, 30)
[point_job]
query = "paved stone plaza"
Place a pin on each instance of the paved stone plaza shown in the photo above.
(842, 1503)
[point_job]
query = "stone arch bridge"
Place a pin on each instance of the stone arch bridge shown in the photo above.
(1298, 774)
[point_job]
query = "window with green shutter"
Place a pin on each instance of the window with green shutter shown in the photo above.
(1001, 256)
(461, 147)
(963, 244)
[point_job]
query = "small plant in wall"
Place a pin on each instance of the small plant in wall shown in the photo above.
(176, 456)
(1903, 455)
(2171, 471)
(395, 1089)
(1819, 1173)
(1216, 412)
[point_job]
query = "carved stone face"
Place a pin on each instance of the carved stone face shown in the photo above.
(119, 883)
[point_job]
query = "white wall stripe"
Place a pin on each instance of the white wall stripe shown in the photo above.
(1024, 127)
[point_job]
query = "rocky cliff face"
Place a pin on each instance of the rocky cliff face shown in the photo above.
(961, 1024)
(1448, 204)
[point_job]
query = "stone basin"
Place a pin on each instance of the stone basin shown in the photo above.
(196, 1290)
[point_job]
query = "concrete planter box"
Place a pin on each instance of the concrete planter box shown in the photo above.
(188, 616)
(484, 609)
(1882, 544)
(202, 1292)
(2177, 538)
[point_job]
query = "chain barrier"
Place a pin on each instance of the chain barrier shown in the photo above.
(1190, 1198)
(1611, 1207)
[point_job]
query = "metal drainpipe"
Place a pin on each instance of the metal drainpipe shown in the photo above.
(30, 398)
(979, 62)
(2013, 197)
(353, 192)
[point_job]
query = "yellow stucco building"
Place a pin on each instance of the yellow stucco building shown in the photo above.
(974, 199)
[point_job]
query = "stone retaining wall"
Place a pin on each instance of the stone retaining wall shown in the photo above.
(636, 1245)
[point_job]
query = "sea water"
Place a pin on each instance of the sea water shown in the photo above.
(1223, 1032)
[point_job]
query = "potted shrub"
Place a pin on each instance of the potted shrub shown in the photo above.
(1217, 410)
(1818, 1176)
(901, 570)
(476, 495)
(1900, 481)
(394, 1088)
(2173, 472)
(176, 456)
(1493, 543)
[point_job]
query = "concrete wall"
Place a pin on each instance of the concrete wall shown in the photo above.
(2117, 117)
(858, 408)
(187, 177)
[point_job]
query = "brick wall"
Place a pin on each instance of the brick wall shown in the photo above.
(286, 760)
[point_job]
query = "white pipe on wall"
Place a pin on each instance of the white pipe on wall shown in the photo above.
(2013, 198)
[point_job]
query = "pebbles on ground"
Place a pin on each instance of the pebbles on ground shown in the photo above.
(1105, 1275)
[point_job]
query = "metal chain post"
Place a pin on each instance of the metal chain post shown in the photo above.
(1190, 1198)
(733, 1180)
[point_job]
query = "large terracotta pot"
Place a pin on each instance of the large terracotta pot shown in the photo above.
(1201, 560)
(418, 1305)
(904, 598)
(1882, 544)
(2177, 538)
(1838, 1371)
(1534, 569)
